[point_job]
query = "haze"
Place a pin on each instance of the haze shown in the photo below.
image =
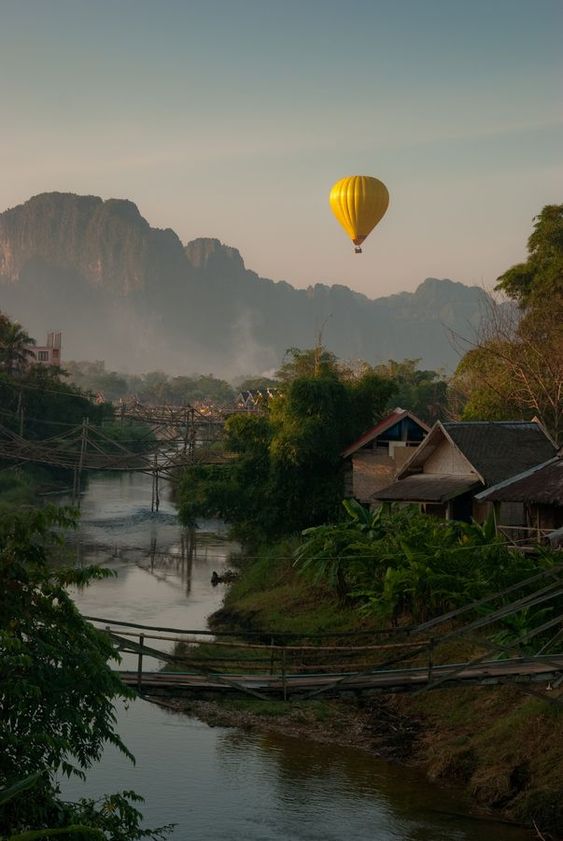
(232, 118)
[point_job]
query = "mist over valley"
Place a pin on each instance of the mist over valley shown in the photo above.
(139, 299)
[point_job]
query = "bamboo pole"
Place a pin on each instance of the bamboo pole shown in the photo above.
(140, 662)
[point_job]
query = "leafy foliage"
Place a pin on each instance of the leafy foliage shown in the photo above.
(423, 392)
(514, 370)
(288, 472)
(399, 562)
(15, 346)
(57, 690)
(541, 276)
(153, 387)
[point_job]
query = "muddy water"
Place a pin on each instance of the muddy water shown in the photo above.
(216, 783)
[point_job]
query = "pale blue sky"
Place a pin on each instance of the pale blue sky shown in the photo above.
(232, 118)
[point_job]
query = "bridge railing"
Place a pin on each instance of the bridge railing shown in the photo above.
(344, 657)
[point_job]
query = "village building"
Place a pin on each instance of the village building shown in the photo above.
(254, 399)
(539, 493)
(458, 460)
(374, 458)
(49, 353)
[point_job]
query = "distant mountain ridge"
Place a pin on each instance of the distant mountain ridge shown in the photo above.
(133, 295)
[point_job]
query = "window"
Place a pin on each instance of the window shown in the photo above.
(43, 355)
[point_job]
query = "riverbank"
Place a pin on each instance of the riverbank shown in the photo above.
(500, 744)
(31, 484)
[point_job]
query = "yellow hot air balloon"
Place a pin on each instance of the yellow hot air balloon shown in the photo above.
(359, 202)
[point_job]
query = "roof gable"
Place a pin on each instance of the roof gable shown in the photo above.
(495, 450)
(435, 438)
(501, 449)
(395, 417)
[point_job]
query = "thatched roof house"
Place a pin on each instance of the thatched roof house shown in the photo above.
(457, 460)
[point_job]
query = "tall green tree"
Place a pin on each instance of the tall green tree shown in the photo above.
(57, 688)
(540, 278)
(514, 369)
(288, 473)
(424, 392)
(16, 346)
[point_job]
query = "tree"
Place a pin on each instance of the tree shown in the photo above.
(423, 392)
(15, 346)
(57, 690)
(312, 362)
(288, 471)
(514, 368)
(40, 400)
(515, 371)
(93, 377)
(540, 278)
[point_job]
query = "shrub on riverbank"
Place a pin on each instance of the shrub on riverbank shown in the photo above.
(57, 690)
(15, 490)
(503, 747)
(399, 564)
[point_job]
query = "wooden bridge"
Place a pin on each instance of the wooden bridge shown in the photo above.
(298, 686)
(406, 659)
(175, 437)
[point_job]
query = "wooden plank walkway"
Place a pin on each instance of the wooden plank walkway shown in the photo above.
(517, 669)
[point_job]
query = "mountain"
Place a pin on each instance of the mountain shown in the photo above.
(136, 297)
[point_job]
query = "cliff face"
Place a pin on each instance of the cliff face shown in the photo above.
(134, 296)
(107, 242)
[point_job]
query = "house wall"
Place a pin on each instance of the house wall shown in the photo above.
(546, 516)
(481, 510)
(446, 459)
(512, 514)
(371, 471)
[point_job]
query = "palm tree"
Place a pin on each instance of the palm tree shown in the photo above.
(15, 346)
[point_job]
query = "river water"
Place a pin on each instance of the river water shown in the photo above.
(218, 784)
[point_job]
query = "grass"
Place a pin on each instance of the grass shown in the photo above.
(503, 746)
(15, 489)
(271, 595)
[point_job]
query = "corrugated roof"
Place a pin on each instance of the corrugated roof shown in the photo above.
(501, 449)
(542, 484)
(394, 417)
(427, 487)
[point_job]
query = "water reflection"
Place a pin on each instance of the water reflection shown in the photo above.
(163, 572)
(220, 784)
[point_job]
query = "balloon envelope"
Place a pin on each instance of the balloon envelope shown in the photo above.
(359, 202)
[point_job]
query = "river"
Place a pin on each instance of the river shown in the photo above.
(215, 783)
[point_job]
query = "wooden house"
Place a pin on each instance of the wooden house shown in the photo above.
(538, 492)
(458, 460)
(374, 458)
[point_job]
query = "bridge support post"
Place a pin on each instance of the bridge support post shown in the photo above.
(272, 656)
(284, 674)
(140, 662)
(430, 659)
(155, 501)
(78, 469)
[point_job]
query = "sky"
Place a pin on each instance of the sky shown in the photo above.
(232, 119)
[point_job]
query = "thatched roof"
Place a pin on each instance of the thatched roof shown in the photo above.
(501, 449)
(542, 485)
(427, 487)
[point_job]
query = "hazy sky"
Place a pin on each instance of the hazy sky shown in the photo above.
(232, 118)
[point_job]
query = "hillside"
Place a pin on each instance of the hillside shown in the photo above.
(136, 297)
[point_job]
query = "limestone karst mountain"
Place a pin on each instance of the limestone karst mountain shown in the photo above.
(136, 297)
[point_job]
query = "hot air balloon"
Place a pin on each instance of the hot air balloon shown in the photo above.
(359, 202)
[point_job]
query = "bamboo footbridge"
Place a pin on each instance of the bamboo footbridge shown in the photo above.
(410, 659)
(176, 437)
